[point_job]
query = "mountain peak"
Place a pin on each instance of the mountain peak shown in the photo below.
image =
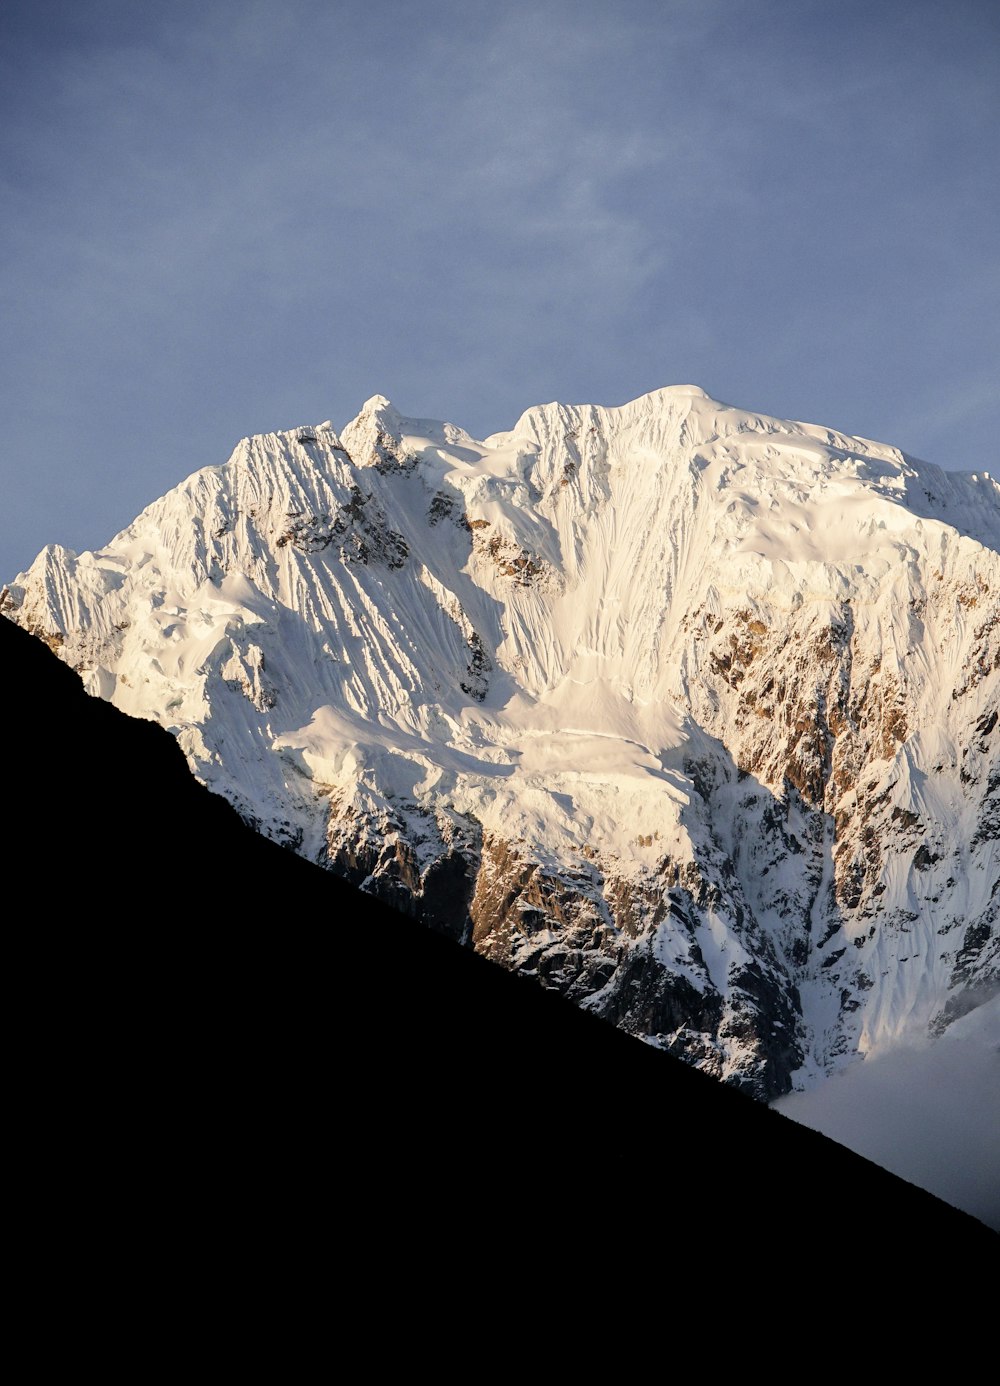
(373, 437)
(689, 710)
(684, 391)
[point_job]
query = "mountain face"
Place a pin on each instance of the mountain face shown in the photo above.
(689, 712)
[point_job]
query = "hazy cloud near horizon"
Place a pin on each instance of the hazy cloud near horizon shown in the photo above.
(930, 1112)
(230, 218)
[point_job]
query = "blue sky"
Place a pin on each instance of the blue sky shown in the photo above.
(224, 218)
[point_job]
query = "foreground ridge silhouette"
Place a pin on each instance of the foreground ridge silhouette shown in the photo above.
(218, 1040)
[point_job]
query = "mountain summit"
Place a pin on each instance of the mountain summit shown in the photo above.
(690, 712)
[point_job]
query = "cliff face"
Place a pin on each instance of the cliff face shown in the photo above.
(689, 712)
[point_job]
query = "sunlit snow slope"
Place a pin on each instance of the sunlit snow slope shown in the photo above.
(689, 711)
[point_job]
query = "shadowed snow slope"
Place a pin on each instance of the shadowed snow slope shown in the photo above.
(688, 712)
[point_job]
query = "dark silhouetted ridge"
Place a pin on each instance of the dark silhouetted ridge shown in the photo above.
(219, 1044)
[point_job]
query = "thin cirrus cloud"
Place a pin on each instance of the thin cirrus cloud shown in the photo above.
(230, 218)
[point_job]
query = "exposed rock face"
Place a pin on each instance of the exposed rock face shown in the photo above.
(688, 712)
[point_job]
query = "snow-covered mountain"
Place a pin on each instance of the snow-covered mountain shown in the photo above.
(688, 711)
